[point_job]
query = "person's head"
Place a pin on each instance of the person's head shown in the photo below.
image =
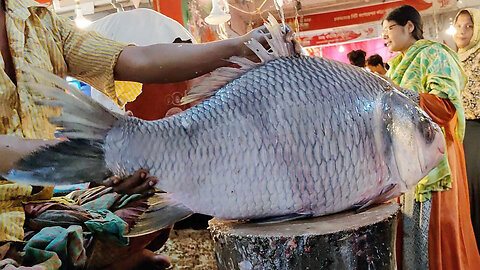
(401, 28)
(357, 58)
(465, 27)
(375, 64)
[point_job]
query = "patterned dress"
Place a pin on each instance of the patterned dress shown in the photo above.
(471, 92)
(471, 101)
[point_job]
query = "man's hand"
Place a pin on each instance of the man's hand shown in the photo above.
(138, 183)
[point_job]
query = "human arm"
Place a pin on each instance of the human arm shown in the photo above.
(93, 58)
(173, 62)
(98, 60)
(165, 63)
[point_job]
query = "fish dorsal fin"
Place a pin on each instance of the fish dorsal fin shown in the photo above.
(221, 76)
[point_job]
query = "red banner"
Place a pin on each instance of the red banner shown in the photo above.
(355, 15)
(340, 35)
(331, 37)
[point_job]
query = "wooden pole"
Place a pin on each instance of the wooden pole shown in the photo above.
(347, 240)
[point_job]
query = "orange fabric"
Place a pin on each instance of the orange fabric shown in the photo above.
(169, 8)
(451, 240)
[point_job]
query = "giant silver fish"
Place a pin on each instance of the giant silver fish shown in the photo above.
(289, 137)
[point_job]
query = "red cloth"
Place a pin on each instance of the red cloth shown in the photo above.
(158, 101)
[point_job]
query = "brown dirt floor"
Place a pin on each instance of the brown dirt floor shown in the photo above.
(190, 249)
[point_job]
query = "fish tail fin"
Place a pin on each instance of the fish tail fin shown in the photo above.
(83, 121)
(69, 162)
(162, 212)
(221, 76)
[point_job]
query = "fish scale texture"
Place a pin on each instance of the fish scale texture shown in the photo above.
(292, 136)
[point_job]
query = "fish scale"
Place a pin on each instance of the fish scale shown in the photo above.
(242, 130)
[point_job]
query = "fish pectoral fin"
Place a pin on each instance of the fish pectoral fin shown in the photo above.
(161, 213)
(276, 219)
(383, 196)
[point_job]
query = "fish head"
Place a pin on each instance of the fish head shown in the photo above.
(418, 143)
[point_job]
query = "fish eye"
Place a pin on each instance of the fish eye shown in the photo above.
(427, 130)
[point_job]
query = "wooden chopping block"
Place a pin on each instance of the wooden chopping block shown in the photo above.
(346, 240)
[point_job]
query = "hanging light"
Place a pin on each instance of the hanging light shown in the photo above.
(451, 29)
(80, 20)
(341, 49)
(218, 15)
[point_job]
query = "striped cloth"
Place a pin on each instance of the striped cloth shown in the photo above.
(40, 38)
(127, 91)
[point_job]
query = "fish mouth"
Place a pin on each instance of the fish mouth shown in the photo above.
(441, 148)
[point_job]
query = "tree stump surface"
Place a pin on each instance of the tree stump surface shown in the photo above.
(346, 240)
